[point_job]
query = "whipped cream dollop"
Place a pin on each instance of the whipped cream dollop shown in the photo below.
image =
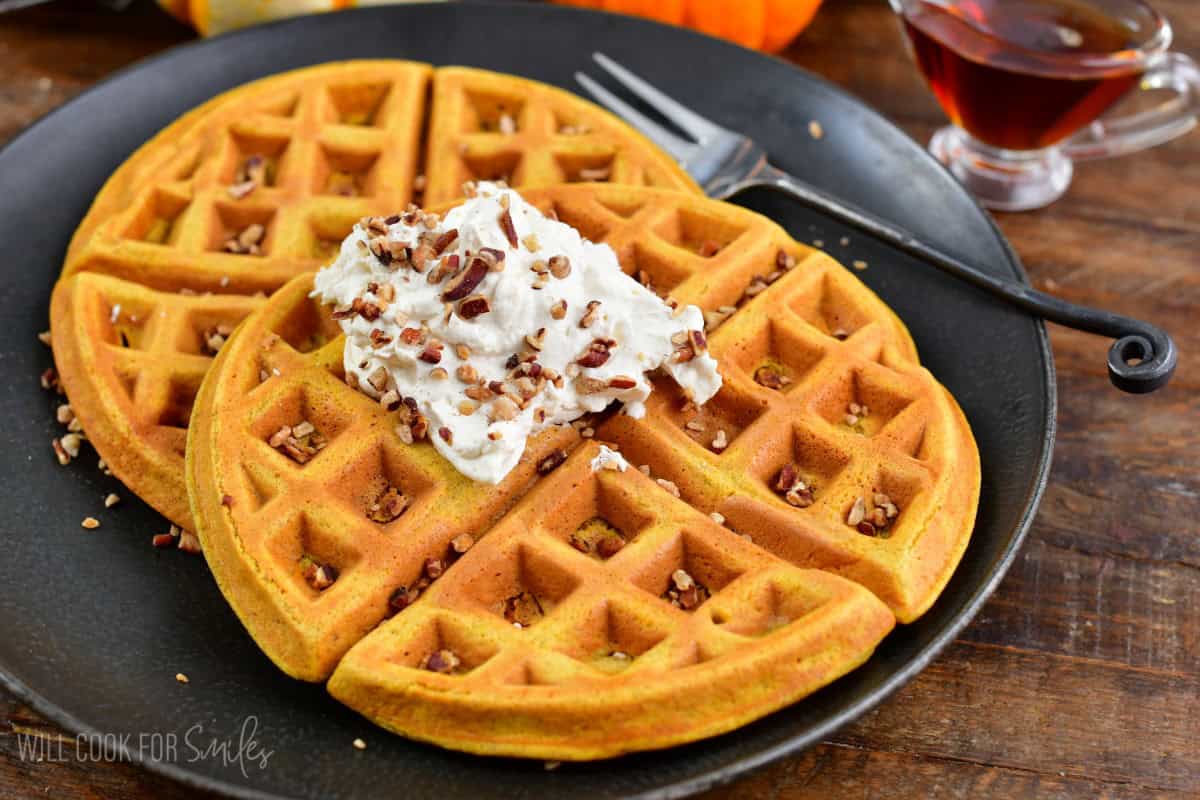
(495, 322)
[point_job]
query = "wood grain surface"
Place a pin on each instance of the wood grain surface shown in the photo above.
(1081, 677)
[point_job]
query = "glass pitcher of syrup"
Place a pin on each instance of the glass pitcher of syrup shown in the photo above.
(1025, 83)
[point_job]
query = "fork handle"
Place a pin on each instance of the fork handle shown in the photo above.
(1149, 346)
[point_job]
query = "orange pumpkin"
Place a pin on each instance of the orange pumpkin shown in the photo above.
(759, 24)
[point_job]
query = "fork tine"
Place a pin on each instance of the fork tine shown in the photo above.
(679, 148)
(701, 128)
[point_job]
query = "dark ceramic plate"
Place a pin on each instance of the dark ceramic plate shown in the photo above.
(96, 624)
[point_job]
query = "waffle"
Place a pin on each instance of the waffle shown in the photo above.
(572, 614)
(278, 171)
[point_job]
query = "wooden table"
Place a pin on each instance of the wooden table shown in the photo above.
(1081, 677)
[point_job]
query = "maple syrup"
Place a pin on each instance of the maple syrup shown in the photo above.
(1023, 74)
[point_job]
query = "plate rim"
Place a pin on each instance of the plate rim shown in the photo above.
(740, 767)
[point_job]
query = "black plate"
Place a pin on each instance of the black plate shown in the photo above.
(96, 624)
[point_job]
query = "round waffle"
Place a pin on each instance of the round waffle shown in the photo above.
(261, 184)
(762, 547)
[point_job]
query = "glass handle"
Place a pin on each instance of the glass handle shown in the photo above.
(1168, 120)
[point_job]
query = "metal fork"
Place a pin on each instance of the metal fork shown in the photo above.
(725, 162)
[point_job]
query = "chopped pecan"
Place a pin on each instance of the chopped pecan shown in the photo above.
(390, 400)
(595, 173)
(857, 513)
(443, 662)
(247, 240)
(590, 315)
(493, 257)
(503, 409)
(597, 354)
(510, 230)
(588, 385)
(465, 281)
(684, 591)
(480, 394)
(320, 576)
(443, 241)
(402, 598)
(771, 376)
(473, 306)
(523, 609)
(551, 462)
(378, 379)
(446, 268)
(432, 354)
(390, 504)
(536, 339)
(787, 478)
(683, 354)
(560, 266)
(526, 387)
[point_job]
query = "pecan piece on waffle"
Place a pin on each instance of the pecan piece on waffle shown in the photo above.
(772, 377)
(320, 576)
(597, 174)
(247, 241)
(213, 338)
(251, 173)
(551, 462)
(442, 661)
(792, 488)
(299, 442)
(855, 413)
(388, 507)
(590, 314)
(684, 591)
(402, 598)
(523, 609)
(873, 517)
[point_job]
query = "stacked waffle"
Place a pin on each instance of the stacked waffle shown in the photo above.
(760, 547)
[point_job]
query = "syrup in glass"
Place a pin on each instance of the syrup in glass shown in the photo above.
(1022, 74)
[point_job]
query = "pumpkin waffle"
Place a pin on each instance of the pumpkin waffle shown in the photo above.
(262, 183)
(760, 546)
